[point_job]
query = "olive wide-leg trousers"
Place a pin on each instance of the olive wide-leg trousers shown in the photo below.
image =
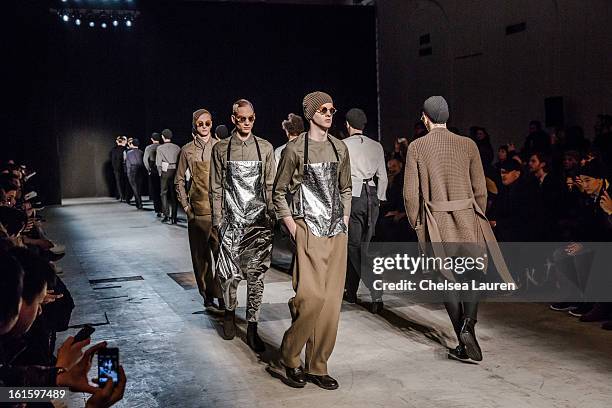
(319, 273)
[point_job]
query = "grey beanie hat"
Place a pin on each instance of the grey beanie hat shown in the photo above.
(436, 109)
(356, 118)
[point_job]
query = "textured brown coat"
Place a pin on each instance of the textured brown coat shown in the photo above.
(445, 167)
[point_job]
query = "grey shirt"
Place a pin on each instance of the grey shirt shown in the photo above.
(150, 153)
(167, 153)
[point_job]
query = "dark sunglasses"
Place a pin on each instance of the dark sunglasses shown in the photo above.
(208, 123)
(323, 110)
(243, 119)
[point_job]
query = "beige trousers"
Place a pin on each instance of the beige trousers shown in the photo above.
(319, 272)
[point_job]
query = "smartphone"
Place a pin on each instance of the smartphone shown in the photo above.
(108, 365)
(84, 333)
(402, 140)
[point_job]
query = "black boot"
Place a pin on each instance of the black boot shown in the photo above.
(221, 303)
(229, 324)
(376, 306)
(253, 340)
(295, 377)
(468, 337)
(458, 353)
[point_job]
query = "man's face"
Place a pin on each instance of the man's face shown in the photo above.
(324, 115)
(480, 134)
(394, 167)
(590, 185)
(509, 177)
(502, 154)
(244, 119)
(28, 314)
(535, 164)
(203, 125)
(11, 198)
(569, 162)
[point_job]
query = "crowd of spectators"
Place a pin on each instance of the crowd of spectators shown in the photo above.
(554, 188)
(36, 304)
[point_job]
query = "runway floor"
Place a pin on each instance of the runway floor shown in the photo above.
(131, 275)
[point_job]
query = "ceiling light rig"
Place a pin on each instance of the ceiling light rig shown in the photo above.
(103, 18)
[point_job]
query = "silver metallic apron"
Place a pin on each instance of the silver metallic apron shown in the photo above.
(245, 232)
(321, 205)
(435, 238)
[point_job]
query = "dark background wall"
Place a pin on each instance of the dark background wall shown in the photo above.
(490, 78)
(96, 84)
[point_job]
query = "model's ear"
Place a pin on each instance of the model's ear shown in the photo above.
(233, 119)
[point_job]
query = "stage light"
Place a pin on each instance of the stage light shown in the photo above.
(65, 18)
(103, 25)
(92, 24)
(115, 23)
(77, 21)
(128, 23)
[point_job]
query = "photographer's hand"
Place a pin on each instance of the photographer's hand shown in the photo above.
(107, 396)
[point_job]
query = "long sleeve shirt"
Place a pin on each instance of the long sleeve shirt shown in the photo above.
(150, 153)
(291, 169)
(241, 151)
(133, 159)
(195, 151)
(367, 160)
(167, 153)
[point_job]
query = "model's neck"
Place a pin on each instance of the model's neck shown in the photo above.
(317, 133)
(353, 132)
(433, 126)
(242, 136)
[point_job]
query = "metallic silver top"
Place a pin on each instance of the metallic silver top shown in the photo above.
(321, 204)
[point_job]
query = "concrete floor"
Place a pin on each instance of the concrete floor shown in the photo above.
(174, 356)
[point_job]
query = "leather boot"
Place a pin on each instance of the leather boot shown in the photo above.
(229, 324)
(468, 337)
(253, 340)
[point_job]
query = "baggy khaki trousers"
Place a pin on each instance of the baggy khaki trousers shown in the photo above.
(319, 272)
(199, 231)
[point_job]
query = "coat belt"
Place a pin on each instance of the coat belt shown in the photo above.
(457, 205)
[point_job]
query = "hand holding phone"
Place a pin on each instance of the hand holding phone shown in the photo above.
(108, 365)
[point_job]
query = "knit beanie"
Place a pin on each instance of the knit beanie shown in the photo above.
(593, 168)
(313, 101)
(436, 109)
(356, 118)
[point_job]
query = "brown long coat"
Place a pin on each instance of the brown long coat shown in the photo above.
(444, 167)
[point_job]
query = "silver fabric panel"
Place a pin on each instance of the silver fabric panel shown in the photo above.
(245, 235)
(321, 204)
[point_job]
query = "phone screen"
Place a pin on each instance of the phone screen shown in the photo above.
(108, 365)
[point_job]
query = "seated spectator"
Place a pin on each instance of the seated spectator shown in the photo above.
(537, 140)
(512, 213)
(593, 224)
(483, 142)
(549, 193)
